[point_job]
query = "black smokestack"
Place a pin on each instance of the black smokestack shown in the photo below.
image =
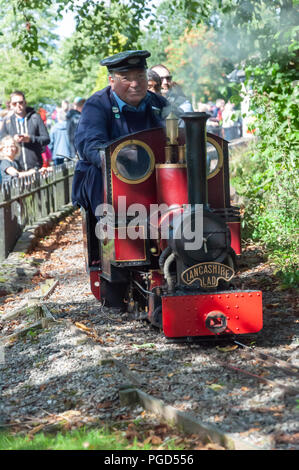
(196, 157)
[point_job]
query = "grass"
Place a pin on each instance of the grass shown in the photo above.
(80, 439)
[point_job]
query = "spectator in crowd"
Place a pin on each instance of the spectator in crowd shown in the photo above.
(54, 116)
(4, 112)
(43, 114)
(165, 76)
(227, 115)
(210, 107)
(59, 142)
(124, 107)
(173, 92)
(214, 123)
(154, 82)
(229, 124)
(202, 108)
(9, 167)
(27, 128)
(2, 115)
(72, 120)
(46, 153)
(217, 110)
(47, 157)
(65, 106)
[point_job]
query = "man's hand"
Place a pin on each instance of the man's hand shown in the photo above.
(22, 138)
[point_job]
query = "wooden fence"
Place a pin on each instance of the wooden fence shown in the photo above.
(25, 201)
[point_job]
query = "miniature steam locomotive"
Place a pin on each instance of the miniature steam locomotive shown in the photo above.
(165, 241)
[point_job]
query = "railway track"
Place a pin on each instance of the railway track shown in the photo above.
(81, 355)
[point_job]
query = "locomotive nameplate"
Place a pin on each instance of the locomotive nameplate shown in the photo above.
(208, 274)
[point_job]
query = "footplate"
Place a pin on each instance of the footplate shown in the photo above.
(238, 312)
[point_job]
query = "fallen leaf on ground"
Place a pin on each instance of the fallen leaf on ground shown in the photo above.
(82, 327)
(227, 348)
(216, 387)
(36, 429)
(155, 440)
(212, 446)
(251, 430)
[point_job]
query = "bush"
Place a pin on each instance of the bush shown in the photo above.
(268, 176)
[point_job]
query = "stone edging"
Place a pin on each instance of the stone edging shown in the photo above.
(185, 421)
(40, 228)
(16, 271)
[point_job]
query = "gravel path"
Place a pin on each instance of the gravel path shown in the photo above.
(63, 372)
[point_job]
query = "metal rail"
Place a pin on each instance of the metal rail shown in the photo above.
(285, 366)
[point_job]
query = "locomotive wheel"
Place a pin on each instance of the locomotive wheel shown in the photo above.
(231, 259)
(114, 293)
(156, 319)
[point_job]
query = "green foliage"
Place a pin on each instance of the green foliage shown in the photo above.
(269, 179)
(16, 71)
(39, 86)
(268, 176)
(50, 74)
(21, 33)
(168, 24)
(197, 64)
(101, 28)
(101, 80)
(80, 439)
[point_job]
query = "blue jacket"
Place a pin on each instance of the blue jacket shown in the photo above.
(59, 141)
(102, 122)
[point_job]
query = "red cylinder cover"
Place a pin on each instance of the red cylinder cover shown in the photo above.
(172, 188)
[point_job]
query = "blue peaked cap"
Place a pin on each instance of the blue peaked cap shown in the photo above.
(126, 60)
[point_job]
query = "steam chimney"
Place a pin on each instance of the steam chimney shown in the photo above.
(196, 157)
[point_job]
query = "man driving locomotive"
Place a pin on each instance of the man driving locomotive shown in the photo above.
(124, 107)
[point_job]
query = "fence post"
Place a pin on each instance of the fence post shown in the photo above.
(24, 201)
(10, 228)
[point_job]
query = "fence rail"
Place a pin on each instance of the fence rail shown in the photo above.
(26, 200)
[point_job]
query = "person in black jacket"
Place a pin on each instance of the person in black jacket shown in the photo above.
(72, 120)
(124, 107)
(28, 130)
